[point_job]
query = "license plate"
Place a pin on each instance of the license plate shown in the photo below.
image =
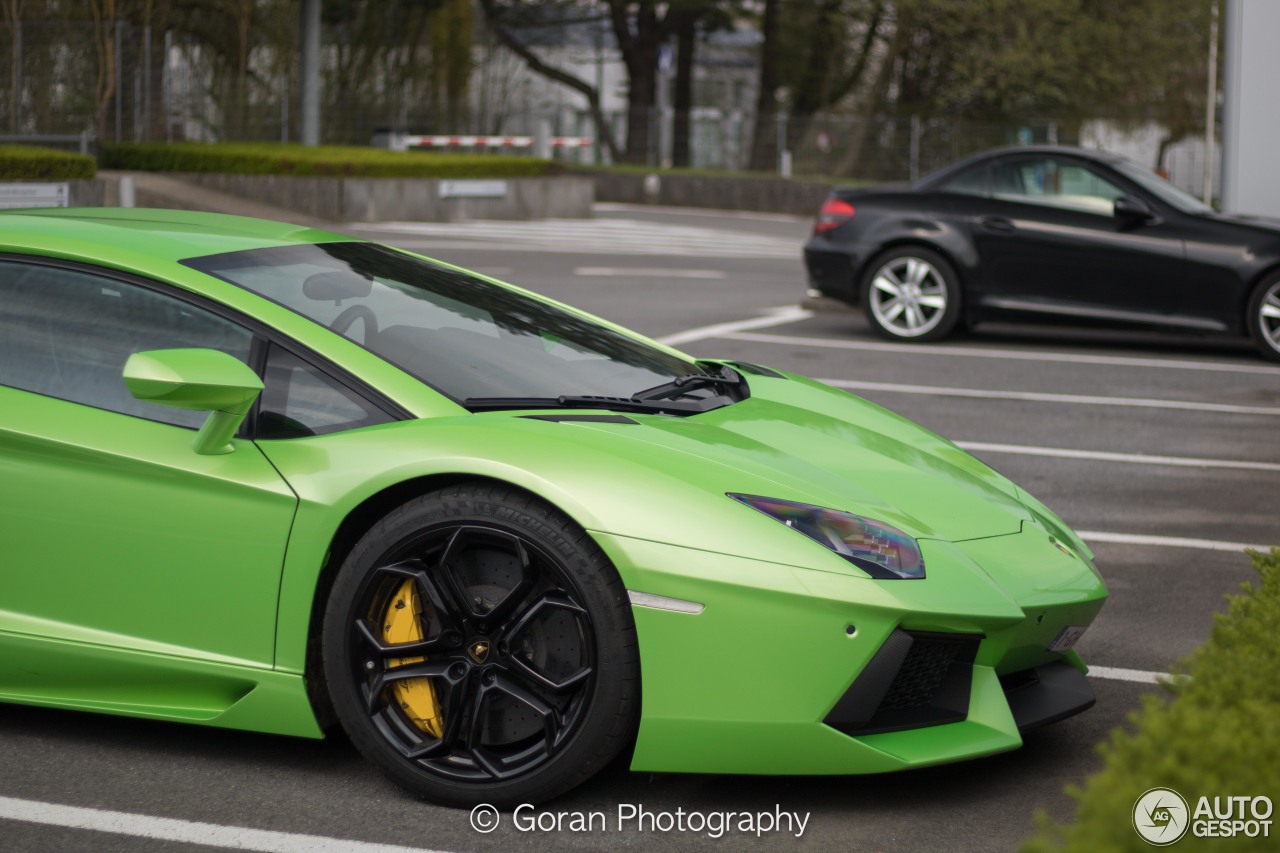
(1066, 639)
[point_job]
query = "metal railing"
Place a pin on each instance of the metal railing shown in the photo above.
(83, 141)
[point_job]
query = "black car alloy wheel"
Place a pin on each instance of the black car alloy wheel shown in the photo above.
(479, 648)
(911, 293)
(1264, 317)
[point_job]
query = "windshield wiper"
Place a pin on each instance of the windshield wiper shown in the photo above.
(569, 401)
(657, 400)
(688, 382)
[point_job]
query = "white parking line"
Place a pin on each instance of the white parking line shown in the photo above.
(185, 831)
(1007, 354)
(1169, 541)
(773, 317)
(591, 236)
(620, 207)
(646, 272)
(1140, 676)
(613, 249)
(1040, 397)
(1106, 456)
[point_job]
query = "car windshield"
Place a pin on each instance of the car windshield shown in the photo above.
(1161, 188)
(462, 335)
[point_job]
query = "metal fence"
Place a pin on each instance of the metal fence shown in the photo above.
(885, 148)
(54, 82)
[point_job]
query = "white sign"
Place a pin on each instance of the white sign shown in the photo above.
(473, 189)
(666, 58)
(33, 195)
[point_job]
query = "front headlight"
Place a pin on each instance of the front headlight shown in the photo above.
(877, 548)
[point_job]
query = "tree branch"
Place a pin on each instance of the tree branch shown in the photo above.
(860, 64)
(519, 48)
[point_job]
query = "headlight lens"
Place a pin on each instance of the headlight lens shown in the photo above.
(877, 548)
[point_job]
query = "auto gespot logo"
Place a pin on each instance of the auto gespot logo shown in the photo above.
(1162, 816)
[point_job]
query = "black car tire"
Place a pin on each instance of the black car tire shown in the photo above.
(524, 636)
(1263, 317)
(929, 306)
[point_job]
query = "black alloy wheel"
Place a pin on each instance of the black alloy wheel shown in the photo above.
(478, 648)
(1263, 318)
(911, 293)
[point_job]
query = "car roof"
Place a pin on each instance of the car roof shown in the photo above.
(1090, 153)
(162, 235)
(1021, 151)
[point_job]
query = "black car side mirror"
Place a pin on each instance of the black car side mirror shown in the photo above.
(1133, 210)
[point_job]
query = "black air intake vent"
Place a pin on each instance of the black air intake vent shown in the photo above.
(582, 419)
(926, 667)
(757, 369)
(917, 679)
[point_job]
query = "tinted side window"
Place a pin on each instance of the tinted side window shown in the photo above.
(300, 400)
(969, 182)
(67, 334)
(1053, 182)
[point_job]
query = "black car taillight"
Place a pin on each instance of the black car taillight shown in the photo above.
(834, 213)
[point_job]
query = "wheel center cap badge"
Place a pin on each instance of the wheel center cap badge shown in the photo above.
(479, 651)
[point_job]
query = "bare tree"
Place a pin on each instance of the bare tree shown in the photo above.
(104, 44)
(763, 147)
(495, 17)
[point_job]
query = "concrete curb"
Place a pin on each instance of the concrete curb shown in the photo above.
(319, 202)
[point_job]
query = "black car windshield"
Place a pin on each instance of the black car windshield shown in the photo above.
(458, 333)
(1160, 188)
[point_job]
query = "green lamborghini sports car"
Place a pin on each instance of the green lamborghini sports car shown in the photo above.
(272, 478)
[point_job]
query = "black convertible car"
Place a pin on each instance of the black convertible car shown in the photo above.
(1046, 231)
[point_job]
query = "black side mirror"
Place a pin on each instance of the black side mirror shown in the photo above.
(1133, 210)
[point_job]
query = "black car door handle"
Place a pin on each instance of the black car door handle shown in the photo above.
(997, 223)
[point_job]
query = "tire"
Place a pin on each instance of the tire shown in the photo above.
(479, 648)
(911, 293)
(1263, 318)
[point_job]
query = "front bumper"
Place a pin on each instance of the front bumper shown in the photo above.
(751, 683)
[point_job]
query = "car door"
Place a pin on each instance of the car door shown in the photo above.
(119, 540)
(1048, 240)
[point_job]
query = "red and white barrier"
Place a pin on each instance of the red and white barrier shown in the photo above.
(493, 141)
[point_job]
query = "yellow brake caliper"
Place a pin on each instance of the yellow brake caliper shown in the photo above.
(416, 696)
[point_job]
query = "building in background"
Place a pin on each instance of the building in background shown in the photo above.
(1250, 119)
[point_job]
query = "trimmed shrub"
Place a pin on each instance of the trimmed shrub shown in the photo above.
(1219, 736)
(267, 158)
(33, 163)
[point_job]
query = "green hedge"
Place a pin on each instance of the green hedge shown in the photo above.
(323, 161)
(1219, 736)
(31, 163)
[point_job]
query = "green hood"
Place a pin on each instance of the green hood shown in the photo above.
(831, 449)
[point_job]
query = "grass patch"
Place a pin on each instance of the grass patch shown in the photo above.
(33, 163)
(1218, 734)
(267, 158)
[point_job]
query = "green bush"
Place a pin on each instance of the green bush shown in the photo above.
(1219, 736)
(32, 163)
(267, 158)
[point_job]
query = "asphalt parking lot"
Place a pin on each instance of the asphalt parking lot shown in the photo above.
(1160, 450)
